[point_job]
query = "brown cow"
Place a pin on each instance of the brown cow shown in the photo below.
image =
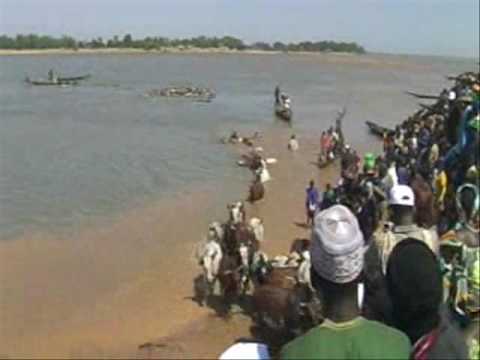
(238, 234)
(256, 191)
(284, 278)
(229, 277)
(291, 310)
(279, 305)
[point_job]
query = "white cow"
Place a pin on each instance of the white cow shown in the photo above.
(218, 230)
(209, 256)
(263, 173)
(256, 225)
(244, 258)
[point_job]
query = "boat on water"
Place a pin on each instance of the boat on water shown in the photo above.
(59, 81)
(42, 82)
(423, 96)
(197, 94)
(75, 78)
(283, 112)
(377, 129)
(282, 105)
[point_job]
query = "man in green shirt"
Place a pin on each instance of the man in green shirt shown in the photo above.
(337, 255)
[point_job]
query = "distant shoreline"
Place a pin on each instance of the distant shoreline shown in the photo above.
(208, 51)
(166, 50)
(367, 59)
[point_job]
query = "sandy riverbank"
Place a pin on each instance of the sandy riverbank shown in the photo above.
(330, 57)
(283, 214)
(131, 51)
(327, 57)
(164, 50)
(107, 290)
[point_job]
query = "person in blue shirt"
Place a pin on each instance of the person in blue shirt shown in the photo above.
(424, 138)
(311, 202)
(465, 142)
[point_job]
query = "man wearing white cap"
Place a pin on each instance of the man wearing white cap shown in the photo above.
(402, 206)
(246, 351)
(337, 255)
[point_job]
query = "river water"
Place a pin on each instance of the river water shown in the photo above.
(76, 155)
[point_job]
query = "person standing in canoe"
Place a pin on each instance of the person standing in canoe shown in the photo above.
(311, 202)
(277, 95)
(51, 76)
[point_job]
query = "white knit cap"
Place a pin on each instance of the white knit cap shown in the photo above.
(338, 246)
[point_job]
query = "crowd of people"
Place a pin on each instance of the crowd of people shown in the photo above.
(394, 254)
(332, 141)
(405, 225)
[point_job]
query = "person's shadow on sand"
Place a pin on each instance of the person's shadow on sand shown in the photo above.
(199, 291)
(215, 301)
(302, 225)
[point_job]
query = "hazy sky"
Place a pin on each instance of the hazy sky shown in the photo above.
(449, 27)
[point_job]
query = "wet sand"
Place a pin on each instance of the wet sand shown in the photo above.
(107, 290)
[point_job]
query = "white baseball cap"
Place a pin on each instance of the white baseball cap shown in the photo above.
(254, 351)
(402, 195)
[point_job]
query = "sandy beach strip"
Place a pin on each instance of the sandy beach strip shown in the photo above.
(376, 60)
(132, 51)
(107, 290)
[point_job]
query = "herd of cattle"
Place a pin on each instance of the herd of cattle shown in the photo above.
(279, 289)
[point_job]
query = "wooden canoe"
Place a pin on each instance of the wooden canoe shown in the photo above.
(283, 113)
(377, 129)
(423, 96)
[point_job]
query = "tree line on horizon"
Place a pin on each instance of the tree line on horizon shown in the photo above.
(33, 41)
